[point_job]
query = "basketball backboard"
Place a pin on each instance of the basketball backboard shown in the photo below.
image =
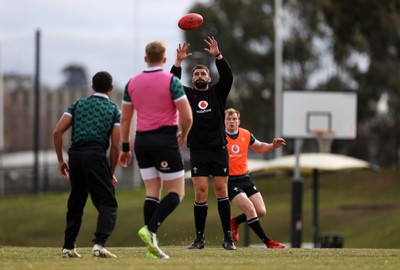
(305, 112)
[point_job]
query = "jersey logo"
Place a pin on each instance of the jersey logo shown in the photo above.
(203, 104)
(164, 166)
(235, 148)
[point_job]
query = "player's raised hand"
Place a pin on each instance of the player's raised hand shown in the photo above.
(181, 51)
(212, 46)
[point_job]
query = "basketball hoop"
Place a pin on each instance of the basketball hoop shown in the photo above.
(324, 139)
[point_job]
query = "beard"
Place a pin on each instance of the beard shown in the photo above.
(200, 84)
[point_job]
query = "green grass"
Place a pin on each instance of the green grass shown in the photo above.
(362, 205)
(208, 259)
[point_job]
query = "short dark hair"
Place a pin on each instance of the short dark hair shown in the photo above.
(102, 82)
(201, 67)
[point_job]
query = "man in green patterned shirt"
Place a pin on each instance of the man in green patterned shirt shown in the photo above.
(94, 121)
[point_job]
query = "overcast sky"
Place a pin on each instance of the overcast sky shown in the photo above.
(96, 34)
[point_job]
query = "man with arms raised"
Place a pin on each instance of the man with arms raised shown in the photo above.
(207, 139)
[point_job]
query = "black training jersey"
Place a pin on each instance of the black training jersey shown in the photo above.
(93, 119)
(208, 108)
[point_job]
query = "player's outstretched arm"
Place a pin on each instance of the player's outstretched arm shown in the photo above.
(263, 147)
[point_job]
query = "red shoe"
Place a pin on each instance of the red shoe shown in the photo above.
(234, 230)
(273, 244)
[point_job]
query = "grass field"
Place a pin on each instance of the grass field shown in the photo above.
(208, 259)
(364, 206)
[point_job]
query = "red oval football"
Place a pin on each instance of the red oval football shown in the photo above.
(190, 21)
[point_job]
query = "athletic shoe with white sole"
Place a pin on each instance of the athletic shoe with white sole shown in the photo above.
(150, 239)
(198, 243)
(228, 244)
(163, 256)
(150, 255)
(102, 252)
(70, 253)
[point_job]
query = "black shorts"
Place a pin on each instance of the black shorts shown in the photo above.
(159, 149)
(239, 185)
(209, 162)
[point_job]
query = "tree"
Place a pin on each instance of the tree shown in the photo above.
(359, 39)
(245, 30)
(75, 78)
(368, 30)
(246, 41)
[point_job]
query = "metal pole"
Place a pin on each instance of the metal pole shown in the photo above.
(315, 230)
(297, 191)
(278, 74)
(2, 180)
(36, 125)
(136, 178)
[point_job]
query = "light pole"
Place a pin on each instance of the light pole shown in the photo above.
(36, 126)
(278, 74)
(2, 182)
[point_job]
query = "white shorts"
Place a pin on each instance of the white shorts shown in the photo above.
(152, 172)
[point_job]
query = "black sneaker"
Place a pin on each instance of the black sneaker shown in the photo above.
(228, 244)
(197, 244)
